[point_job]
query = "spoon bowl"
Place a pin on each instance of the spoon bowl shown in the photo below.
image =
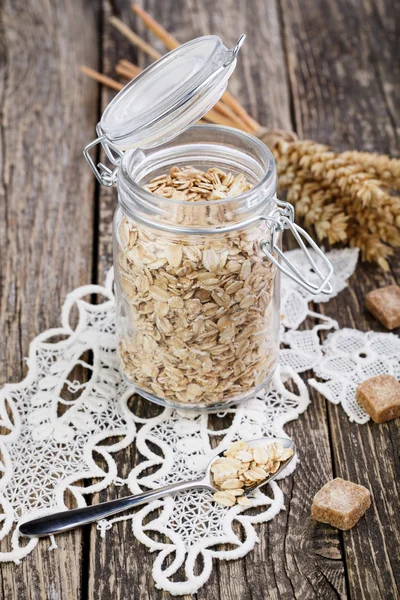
(58, 522)
(286, 443)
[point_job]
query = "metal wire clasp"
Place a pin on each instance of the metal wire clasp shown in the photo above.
(281, 219)
(104, 175)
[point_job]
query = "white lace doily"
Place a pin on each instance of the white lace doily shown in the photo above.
(51, 443)
(348, 358)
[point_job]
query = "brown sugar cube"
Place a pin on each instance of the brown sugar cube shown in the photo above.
(380, 397)
(384, 304)
(340, 503)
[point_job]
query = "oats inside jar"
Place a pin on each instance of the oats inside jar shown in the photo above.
(197, 324)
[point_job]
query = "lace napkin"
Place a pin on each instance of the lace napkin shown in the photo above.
(51, 443)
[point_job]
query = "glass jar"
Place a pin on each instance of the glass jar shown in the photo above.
(198, 283)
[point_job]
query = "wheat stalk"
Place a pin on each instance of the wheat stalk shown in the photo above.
(340, 199)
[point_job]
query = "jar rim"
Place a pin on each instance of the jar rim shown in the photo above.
(140, 191)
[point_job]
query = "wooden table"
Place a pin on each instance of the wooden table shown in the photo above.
(329, 70)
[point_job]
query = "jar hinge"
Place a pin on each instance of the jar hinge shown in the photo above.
(281, 219)
(104, 174)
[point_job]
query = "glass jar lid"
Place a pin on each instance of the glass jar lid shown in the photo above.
(170, 95)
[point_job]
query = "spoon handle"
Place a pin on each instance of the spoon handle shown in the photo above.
(69, 519)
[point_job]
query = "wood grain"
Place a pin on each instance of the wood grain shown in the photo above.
(47, 114)
(332, 76)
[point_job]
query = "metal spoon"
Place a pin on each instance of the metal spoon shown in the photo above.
(69, 519)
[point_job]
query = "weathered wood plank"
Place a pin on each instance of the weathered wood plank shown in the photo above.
(344, 92)
(48, 111)
(290, 560)
(119, 566)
